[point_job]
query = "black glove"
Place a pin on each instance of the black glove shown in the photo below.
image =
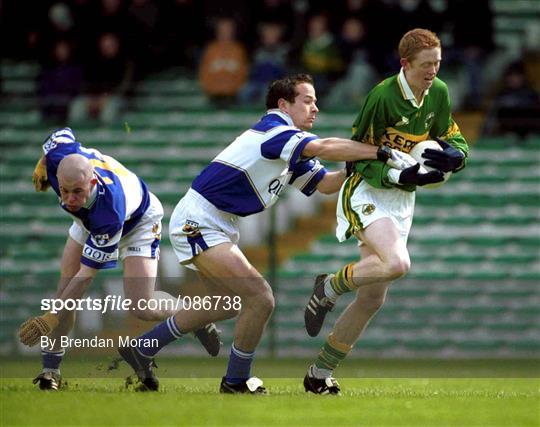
(411, 176)
(447, 160)
(349, 168)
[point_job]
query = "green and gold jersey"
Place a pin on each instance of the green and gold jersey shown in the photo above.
(391, 116)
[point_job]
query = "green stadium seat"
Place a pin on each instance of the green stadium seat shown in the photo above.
(445, 325)
(483, 310)
(461, 293)
(431, 310)
(477, 345)
(525, 345)
(367, 343)
(397, 291)
(513, 327)
(425, 344)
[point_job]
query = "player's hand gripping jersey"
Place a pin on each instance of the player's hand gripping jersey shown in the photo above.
(391, 116)
(117, 204)
(248, 176)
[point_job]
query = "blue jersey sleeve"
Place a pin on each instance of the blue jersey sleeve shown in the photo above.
(287, 145)
(306, 175)
(100, 250)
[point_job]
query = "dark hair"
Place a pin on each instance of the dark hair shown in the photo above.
(285, 88)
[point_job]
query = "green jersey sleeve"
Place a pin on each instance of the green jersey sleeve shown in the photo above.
(368, 128)
(446, 128)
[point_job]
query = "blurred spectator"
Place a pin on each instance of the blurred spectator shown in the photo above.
(274, 11)
(472, 33)
(320, 54)
(269, 63)
(360, 76)
(417, 14)
(108, 80)
(58, 84)
(224, 65)
(516, 108)
(352, 42)
(58, 25)
(143, 17)
(181, 31)
(21, 37)
(113, 17)
(382, 27)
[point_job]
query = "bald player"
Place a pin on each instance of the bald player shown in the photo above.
(114, 216)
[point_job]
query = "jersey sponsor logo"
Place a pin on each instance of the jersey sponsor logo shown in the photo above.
(275, 187)
(97, 255)
(401, 140)
(403, 122)
(133, 249)
(101, 239)
(191, 228)
(368, 209)
(429, 120)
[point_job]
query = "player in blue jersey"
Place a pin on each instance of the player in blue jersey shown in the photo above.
(248, 177)
(115, 216)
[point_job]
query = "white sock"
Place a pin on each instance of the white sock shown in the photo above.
(54, 371)
(319, 373)
(328, 290)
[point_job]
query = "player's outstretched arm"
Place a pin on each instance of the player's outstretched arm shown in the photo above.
(31, 331)
(77, 286)
(340, 149)
(332, 182)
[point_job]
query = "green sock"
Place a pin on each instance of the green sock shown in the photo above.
(342, 282)
(330, 357)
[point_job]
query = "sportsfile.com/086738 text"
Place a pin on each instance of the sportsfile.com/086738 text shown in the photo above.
(118, 303)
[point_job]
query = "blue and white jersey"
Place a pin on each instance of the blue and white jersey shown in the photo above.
(248, 176)
(118, 200)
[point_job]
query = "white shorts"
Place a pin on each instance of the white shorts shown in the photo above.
(196, 225)
(360, 204)
(143, 240)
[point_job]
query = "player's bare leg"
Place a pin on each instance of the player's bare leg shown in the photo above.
(139, 286)
(227, 265)
(385, 259)
(388, 258)
(140, 275)
(384, 253)
(375, 253)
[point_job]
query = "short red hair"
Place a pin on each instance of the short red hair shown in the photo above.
(416, 40)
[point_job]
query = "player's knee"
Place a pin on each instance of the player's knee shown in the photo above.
(147, 315)
(398, 267)
(264, 302)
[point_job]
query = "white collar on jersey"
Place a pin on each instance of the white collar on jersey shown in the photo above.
(406, 90)
(92, 197)
(281, 114)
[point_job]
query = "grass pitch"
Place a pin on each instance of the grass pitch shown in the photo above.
(375, 393)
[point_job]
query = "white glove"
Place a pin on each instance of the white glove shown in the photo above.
(400, 160)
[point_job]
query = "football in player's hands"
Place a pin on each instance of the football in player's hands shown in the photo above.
(418, 153)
